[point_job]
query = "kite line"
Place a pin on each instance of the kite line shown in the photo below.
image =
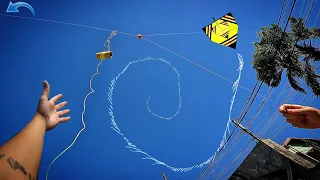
(84, 105)
(133, 148)
(115, 127)
(235, 87)
(131, 34)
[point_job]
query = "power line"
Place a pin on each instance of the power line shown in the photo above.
(270, 90)
(281, 11)
(241, 152)
(304, 2)
(243, 114)
(130, 34)
(262, 82)
(252, 92)
(307, 101)
(305, 12)
(273, 122)
(317, 17)
(248, 124)
(285, 10)
(294, 3)
(261, 121)
(307, 18)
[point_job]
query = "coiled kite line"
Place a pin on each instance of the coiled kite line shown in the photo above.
(84, 105)
(115, 127)
(133, 147)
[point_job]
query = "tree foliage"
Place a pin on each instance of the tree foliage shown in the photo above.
(279, 51)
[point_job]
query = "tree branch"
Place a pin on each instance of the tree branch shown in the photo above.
(312, 52)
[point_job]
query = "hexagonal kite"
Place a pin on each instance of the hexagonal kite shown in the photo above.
(223, 31)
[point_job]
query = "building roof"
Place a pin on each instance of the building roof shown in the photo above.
(291, 139)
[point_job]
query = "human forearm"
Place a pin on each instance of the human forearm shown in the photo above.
(20, 156)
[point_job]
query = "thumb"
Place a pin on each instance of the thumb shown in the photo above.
(46, 90)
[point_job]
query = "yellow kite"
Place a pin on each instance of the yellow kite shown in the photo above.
(223, 31)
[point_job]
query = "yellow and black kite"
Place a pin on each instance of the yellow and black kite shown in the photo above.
(223, 31)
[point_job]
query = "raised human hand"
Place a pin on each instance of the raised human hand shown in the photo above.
(48, 109)
(301, 116)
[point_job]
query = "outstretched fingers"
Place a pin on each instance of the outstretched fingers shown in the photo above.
(56, 98)
(63, 112)
(61, 105)
(64, 119)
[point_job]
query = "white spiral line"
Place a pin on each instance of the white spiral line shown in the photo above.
(134, 148)
(234, 89)
(115, 127)
(178, 75)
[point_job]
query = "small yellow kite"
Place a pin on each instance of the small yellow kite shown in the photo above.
(223, 31)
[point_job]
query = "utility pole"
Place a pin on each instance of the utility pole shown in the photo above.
(246, 130)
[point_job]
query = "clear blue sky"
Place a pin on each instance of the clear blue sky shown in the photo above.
(34, 50)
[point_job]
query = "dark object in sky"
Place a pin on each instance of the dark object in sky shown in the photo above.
(164, 176)
(104, 55)
(223, 31)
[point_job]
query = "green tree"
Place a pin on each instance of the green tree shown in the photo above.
(279, 51)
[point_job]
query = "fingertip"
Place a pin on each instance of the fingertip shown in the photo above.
(45, 84)
(59, 96)
(282, 109)
(46, 90)
(65, 103)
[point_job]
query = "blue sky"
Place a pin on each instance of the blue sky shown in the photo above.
(34, 50)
